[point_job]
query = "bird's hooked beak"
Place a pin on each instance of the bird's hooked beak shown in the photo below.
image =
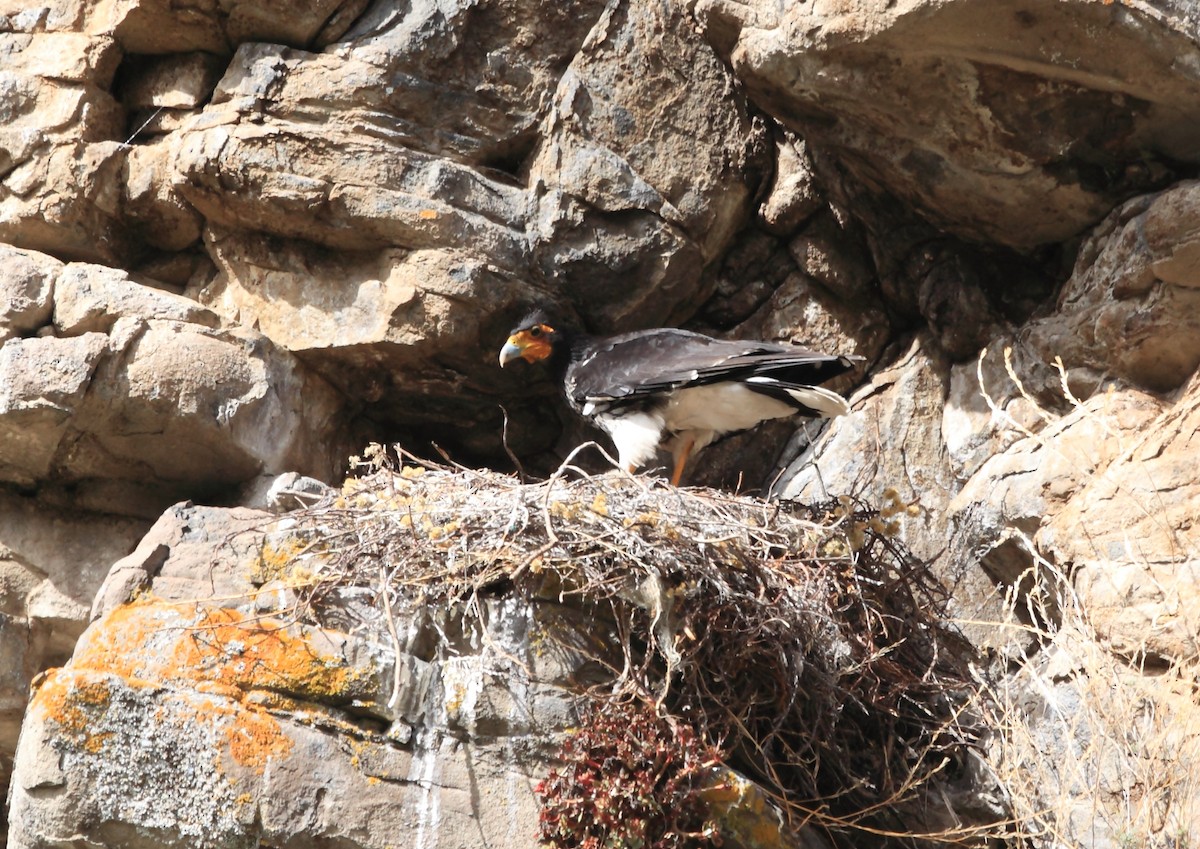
(511, 351)
(529, 345)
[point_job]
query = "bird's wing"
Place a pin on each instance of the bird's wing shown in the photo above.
(638, 364)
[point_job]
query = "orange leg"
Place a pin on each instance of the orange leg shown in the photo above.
(681, 457)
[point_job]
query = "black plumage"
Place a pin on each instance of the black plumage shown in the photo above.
(674, 388)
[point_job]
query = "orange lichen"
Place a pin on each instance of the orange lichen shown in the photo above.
(73, 704)
(213, 649)
(248, 653)
(234, 666)
(255, 737)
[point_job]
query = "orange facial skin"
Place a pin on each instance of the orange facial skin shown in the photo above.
(530, 345)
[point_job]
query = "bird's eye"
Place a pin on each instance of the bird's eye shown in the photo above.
(535, 332)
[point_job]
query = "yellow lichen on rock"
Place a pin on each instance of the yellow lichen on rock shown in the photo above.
(72, 705)
(217, 659)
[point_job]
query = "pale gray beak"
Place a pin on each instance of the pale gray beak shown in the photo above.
(509, 353)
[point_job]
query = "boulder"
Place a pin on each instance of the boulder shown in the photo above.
(998, 516)
(1008, 122)
(59, 150)
(136, 397)
(640, 181)
(1131, 308)
(52, 561)
(26, 291)
(308, 733)
(1128, 532)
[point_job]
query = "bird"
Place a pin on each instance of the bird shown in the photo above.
(676, 389)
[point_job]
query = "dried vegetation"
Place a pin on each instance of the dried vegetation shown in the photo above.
(801, 642)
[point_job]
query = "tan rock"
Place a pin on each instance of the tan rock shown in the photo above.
(142, 389)
(794, 195)
(1006, 122)
(302, 729)
(26, 291)
(639, 181)
(1115, 315)
(393, 333)
(42, 383)
(154, 210)
(155, 26)
(91, 298)
(999, 511)
(1130, 535)
(51, 563)
(61, 165)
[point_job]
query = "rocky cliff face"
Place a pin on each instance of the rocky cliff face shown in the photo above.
(239, 240)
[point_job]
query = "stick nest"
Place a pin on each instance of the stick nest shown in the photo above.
(801, 641)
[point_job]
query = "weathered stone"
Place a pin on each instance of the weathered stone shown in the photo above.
(42, 383)
(1090, 729)
(1008, 122)
(998, 514)
(158, 26)
(60, 162)
(892, 441)
(1130, 535)
(51, 563)
(155, 211)
(142, 372)
(670, 169)
(175, 81)
(91, 299)
(344, 187)
(1115, 315)
(286, 715)
(392, 335)
(794, 195)
(26, 291)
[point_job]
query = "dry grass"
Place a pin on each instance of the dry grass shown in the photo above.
(1093, 749)
(803, 642)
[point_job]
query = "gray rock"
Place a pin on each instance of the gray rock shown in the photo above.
(1009, 123)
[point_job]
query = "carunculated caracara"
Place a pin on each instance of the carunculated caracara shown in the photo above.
(673, 388)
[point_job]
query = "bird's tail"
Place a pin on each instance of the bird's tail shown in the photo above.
(812, 400)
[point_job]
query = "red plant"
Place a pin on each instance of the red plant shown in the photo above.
(629, 780)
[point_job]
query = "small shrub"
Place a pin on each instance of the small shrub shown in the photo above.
(629, 780)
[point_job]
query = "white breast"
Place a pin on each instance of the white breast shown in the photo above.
(721, 407)
(636, 436)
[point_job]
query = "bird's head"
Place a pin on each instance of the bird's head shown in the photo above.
(532, 340)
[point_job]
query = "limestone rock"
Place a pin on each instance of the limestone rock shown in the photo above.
(1132, 306)
(142, 392)
(1001, 510)
(794, 195)
(51, 563)
(971, 112)
(154, 210)
(1129, 534)
(91, 299)
(893, 410)
(156, 26)
(26, 291)
(307, 733)
(58, 154)
(639, 180)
